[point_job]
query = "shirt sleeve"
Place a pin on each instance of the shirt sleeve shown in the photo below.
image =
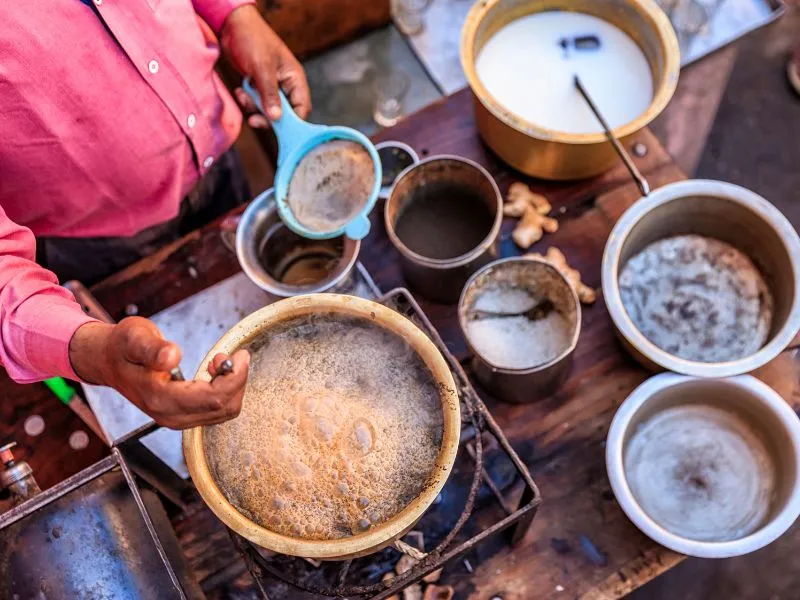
(214, 12)
(37, 316)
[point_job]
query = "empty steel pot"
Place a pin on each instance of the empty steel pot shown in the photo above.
(442, 279)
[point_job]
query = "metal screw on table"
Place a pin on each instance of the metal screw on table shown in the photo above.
(639, 150)
(131, 310)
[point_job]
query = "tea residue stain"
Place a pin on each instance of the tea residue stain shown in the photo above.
(697, 298)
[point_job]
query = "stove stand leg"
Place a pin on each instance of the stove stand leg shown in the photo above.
(517, 532)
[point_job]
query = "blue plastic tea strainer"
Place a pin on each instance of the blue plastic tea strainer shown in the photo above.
(296, 138)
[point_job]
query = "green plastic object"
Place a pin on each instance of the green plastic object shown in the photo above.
(64, 391)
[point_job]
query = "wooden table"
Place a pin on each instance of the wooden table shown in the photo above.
(581, 545)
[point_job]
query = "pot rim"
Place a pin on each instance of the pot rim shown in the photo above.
(260, 276)
(676, 191)
(770, 401)
(456, 261)
(535, 369)
(663, 92)
(387, 189)
(382, 534)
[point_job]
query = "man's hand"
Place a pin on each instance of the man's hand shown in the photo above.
(256, 50)
(133, 358)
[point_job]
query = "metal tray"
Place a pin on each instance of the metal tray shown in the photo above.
(720, 22)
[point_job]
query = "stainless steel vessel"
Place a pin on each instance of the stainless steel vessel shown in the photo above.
(435, 278)
(728, 213)
(523, 385)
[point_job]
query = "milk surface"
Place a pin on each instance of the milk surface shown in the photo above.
(526, 70)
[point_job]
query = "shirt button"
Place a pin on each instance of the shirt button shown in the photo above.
(208, 161)
(98, 2)
(191, 120)
(153, 66)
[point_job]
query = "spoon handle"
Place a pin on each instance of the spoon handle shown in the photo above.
(641, 182)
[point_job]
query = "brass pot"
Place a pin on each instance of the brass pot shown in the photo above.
(382, 534)
(550, 154)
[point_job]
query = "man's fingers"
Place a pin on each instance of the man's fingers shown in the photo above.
(267, 86)
(295, 85)
(144, 345)
(258, 121)
(255, 119)
(245, 101)
(194, 403)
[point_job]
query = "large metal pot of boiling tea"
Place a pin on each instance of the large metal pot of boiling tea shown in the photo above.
(348, 431)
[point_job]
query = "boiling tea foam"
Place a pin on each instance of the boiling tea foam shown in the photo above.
(524, 67)
(340, 429)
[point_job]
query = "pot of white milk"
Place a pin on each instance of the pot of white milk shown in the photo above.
(521, 57)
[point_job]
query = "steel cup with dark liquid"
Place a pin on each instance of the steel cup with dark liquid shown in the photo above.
(443, 215)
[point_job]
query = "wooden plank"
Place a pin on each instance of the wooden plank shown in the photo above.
(49, 454)
(308, 26)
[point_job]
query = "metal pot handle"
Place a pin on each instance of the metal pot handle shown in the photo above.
(227, 231)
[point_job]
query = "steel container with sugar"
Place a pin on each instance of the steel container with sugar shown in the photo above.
(523, 385)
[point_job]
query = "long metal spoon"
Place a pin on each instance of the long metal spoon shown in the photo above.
(641, 182)
(538, 311)
(224, 368)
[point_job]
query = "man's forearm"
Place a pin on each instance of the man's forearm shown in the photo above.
(37, 316)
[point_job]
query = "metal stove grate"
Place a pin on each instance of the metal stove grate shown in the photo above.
(361, 578)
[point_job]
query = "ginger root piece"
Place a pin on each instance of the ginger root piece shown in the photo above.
(531, 228)
(520, 195)
(532, 208)
(556, 258)
(439, 592)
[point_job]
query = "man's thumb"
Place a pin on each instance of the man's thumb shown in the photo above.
(145, 346)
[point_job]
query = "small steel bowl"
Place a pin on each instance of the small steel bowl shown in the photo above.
(764, 411)
(725, 212)
(269, 252)
(442, 279)
(520, 386)
(395, 157)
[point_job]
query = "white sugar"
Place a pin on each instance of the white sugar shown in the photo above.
(516, 342)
